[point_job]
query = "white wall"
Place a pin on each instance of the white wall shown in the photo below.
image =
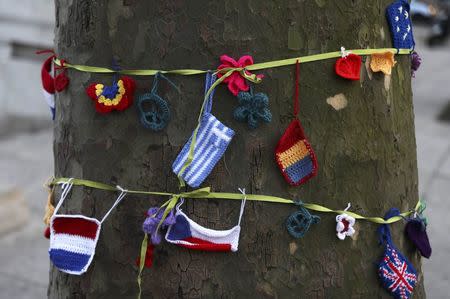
(25, 26)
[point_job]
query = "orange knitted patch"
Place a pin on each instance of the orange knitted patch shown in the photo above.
(294, 154)
(383, 62)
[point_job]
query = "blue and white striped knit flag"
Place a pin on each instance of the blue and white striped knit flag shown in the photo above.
(213, 138)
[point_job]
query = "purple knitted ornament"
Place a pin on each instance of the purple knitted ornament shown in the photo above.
(150, 225)
(416, 231)
(415, 63)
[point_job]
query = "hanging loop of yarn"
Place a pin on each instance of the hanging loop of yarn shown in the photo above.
(384, 233)
(299, 222)
(158, 116)
(344, 53)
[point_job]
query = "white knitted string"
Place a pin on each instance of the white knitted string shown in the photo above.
(122, 194)
(344, 53)
(66, 187)
(241, 212)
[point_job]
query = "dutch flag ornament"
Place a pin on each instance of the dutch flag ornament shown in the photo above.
(73, 239)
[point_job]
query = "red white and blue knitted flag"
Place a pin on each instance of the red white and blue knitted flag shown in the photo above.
(189, 234)
(73, 240)
(48, 85)
(397, 274)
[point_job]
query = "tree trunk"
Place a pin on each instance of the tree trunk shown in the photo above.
(366, 152)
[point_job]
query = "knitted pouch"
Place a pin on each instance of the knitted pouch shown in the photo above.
(400, 24)
(212, 140)
(294, 154)
(416, 231)
(187, 233)
(73, 238)
(396, 273)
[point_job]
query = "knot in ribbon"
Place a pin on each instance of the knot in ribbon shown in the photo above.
(171, 203)
(235, 74)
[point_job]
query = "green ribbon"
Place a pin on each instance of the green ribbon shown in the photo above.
(205, 193)
(253, 67)
(142, 263)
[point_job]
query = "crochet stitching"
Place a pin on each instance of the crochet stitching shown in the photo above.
(400, 25)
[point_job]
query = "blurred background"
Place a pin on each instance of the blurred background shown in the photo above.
(26, 155)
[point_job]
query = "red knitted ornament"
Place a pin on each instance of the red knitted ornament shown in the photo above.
(294, 154)
(148, 263)
(48, 83)
(61, 82)
(118, 97)
(56, 82)
(348, 67)
(47, 232)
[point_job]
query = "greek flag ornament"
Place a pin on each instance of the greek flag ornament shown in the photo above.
(212, 140)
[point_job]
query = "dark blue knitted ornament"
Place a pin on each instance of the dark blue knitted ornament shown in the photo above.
(400, 24)
(157, 117)
(396, 273)
(253, 108)
(299, 222)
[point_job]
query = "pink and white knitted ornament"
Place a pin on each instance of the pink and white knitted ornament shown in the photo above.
(344, 226)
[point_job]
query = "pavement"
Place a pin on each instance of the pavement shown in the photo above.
(431, 97)
(26, 160)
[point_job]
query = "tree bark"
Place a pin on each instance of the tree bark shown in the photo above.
(366, 152)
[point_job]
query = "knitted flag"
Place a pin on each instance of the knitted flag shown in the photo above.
(73, 240)
(400, 24)
(294, 155)
(212, 140)
(187, 233)
(48, 84)
(397, 275)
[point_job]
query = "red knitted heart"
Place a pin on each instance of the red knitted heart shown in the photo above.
(348, 67)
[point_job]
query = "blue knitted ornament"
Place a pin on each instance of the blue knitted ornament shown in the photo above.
(396, 273)
(253, 108)
(158, 116)
(299, 222)
(400, 24)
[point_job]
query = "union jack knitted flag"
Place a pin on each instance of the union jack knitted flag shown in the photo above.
(397, 274)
